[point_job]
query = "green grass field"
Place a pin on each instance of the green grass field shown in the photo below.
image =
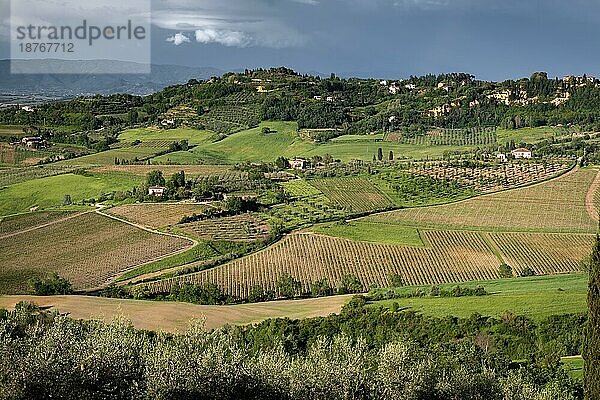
(252, 145)
(193, 136)
(124, 154)
(535, 297)
(371, 232)
(202, 252)
(529, 135)
(183, 158)
(49, 192)
(358, 138)
(246, 146)
(574, 366)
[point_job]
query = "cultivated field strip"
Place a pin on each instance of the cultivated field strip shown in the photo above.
(156, 215)
(447, 137)
(453, 257)
(167, 170)
(557, 206)
(544, 253)
(491, 178)
(18, 223)
(354, 193)
(237, 228)
(87, 250)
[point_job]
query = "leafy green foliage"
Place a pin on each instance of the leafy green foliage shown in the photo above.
(434, 291)
(349, 284)
(54, 285)
(155, 178)
(208, 294)
(396, 280)
(258, 294)
(505, 271)
(591, 352)
(43, 355)
(527, 271)
(321, 288)
(288, 286)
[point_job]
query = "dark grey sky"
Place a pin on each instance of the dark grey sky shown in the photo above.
(493, 39)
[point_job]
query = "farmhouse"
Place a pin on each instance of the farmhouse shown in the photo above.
(501, 157)
(33, 142)
(298, 163)
(394, 88)
(157, 191)
(522, 153)
(168, 122)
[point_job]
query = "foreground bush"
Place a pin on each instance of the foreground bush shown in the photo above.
(48, 356)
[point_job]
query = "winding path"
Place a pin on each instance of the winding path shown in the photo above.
(154, 231)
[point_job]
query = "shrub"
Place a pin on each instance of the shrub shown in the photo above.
(527, 272)
(288, 286)
(207, 293)
(258, 294)
(396, 280)
(349, 284)
(505, 271)
(55, 285)
(321, 288)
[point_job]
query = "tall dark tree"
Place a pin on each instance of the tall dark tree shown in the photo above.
(282, 163)
(591, 351)
(178, 179)
(133, 116)
(380, 154)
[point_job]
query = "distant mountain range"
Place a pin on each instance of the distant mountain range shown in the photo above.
(88, 83)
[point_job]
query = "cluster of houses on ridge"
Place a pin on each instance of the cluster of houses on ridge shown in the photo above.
(34, 142)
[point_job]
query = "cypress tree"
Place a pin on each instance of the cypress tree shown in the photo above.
(591, 351)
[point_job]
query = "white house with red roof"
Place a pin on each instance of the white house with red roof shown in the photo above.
(157, 191)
